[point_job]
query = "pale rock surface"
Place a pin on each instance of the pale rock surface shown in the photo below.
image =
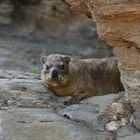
(29, 111)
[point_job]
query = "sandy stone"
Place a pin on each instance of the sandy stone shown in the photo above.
(118, 25)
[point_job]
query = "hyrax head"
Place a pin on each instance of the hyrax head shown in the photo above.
(55, 69)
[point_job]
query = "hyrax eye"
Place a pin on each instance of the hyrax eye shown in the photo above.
(62, 67)
(47, 67)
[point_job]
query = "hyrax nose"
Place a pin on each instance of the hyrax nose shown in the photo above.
(54, 74)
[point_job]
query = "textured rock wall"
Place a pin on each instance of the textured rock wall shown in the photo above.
(118, 24)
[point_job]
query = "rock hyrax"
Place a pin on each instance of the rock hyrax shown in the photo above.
(80, 78)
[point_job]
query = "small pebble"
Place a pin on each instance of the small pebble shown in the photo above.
(112, 126)
(124, 121)
(118, 108)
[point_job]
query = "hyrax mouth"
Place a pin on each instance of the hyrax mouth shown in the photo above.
(61, 80)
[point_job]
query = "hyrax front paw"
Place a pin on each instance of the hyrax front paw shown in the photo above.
(67, 103)
(71, 101)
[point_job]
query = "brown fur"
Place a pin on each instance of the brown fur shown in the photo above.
(86, 78)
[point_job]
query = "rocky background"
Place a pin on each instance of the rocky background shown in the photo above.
(31, 28)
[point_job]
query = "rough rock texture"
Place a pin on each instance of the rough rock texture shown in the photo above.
(28, 111)
(31, 28)
(118, 24)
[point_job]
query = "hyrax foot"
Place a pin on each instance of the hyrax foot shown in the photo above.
(73, 100)
(67, 103)
(76, 99)
(70, 102)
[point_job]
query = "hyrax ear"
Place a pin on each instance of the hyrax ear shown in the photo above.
(66, 59)
(43, 59)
